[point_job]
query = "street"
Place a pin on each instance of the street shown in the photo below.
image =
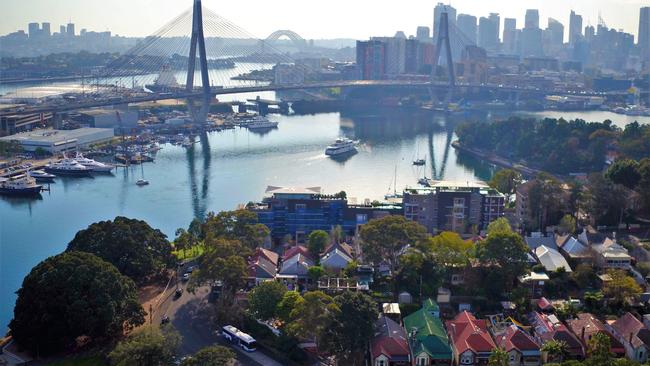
(190, 315)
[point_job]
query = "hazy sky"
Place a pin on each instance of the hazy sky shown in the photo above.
(311, 19)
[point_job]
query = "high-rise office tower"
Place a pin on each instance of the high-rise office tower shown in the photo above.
(488, 34)
(62, 29)
(439, 9)
(467, 25)
(575, 27)
(590, 33)
(510, 36)
(532, 18)
(45, 30)
(70, 30)
(496, 21)
(423, 34)
(34, 30)
(644, 33)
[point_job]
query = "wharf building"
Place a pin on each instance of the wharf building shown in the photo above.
(463, 207)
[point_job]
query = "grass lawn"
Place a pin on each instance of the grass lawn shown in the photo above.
(190, 253)
(82, 361)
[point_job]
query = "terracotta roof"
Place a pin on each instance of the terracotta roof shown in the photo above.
(468, 333)
(515, 338)
(271, 256)
(390, 339)
(544, 304)
(298, 249)
(629, 324)
(344, 247)
(261, 267)
(548, 327)
(591, 325)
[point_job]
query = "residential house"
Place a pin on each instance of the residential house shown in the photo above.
(389, 346)
(634, 336)
(536, 240)
(535, 281)
(551, 259)
(297, 249)
(548, 327)
(260, 269)
(296, 266)
(336, 257)
(391, 310)
(269, 255)
(573, 249)
(586, 325)
(611, 255)
(522, 349)
(428, 340)
(470, 341)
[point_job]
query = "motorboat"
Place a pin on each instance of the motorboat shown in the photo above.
(264, 124)
(142, 182)
(41, 175)
(341, 146)
(94, 165)
(67, 167)
(19, 185)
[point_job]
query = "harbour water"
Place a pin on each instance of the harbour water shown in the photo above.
(234, 167)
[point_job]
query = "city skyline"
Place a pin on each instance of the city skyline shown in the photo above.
(143, 18)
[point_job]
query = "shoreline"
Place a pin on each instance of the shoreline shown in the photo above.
(496, 160)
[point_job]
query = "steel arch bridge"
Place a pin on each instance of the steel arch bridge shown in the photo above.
(295, 38)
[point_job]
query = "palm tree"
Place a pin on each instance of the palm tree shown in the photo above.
(555, 351)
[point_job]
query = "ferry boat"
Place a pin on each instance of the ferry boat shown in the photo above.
(264, 124)
(94, 165)
(142, 182)
(341, 146)
(19, 185)
(419, 162)
(42, 176)
(68, 167)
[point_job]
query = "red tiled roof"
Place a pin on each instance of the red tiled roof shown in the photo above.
(298, 249)
(544, 304)
(269, 255)
(344, 247)
(390, 340)
(467, 332)
(591, 325)
(629, 324)
(515, 338)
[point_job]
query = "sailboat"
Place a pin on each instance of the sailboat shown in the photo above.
(418, 161)
(142, 182)
(394, 196)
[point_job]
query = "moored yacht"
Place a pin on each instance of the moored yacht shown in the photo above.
(19, 185)
(94, 165)
(67, 167)
(42, 176)
(262, 124)
(341, 146)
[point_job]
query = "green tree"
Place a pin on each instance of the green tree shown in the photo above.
(448, 249)
(136, 249)
(625, 172)
(382, 239)
(498, 357)
(544, 201)
(264, 299)
(504, 252)
(598, 350)
(555, 351)
(312, 316)
(583, 275)
(317, 242)
(239, 225)
(337, 234)
(622, 288)
(352, 327)
(506, 181)
(285, 307)
(606, 200)
(147, 347)
(211, 356)
(70, 295)
(644, 183)
(315, 273)
(593, 300)
(567, 225)
(231, 271)
(499, 225)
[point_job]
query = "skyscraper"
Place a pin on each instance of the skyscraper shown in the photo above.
(575, 27)
(45, 31)
(510, 38)
(496, 21)
(532, 18)
(644, 33)
(70, 30)
(488, 33)
(439, 9)
(34, 30)
(62, 29)
(423, 34)
(590, 32)
(467, 24)
(553, 37)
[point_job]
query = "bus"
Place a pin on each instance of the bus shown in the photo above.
(236, 336)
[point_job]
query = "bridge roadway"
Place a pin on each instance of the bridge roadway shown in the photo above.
(197, 93)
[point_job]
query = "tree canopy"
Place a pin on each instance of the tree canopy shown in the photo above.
(147, 347)
(622, 288)
(312, 315)
(134, 247)
(239, 225)
(211, 356)
(382, 239)
(70, 295)
(263, 300)
(625, 172)
(506, 181)
(318, 240)
(503, 253)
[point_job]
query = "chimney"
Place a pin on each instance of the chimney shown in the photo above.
(631, 335)
(583, 334)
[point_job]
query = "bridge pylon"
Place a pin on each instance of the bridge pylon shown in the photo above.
(444, 41)
(199, 114)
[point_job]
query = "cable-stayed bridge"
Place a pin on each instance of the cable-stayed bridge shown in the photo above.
(197, 57)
